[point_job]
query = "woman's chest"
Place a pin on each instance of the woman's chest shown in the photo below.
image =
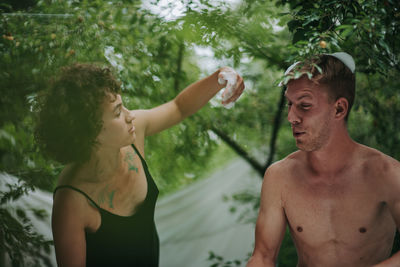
(126, 190)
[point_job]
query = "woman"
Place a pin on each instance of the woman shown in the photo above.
(103, 211)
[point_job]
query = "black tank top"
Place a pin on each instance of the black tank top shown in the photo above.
(125, 240)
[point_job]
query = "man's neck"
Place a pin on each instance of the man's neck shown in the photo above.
(333, 156)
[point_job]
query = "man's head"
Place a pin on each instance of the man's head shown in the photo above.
(335, 73)
(318, 105)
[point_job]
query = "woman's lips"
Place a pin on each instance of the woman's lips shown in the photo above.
(131, 130)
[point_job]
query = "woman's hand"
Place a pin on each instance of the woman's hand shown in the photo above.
(234, 85)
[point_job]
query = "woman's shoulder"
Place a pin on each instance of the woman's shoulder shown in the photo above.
(70, 194)
(73, 206)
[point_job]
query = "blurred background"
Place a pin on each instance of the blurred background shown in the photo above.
(157, 48)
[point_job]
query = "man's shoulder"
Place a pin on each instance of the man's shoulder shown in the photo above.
(384, 171)
(291, 160)
(286, 165)
(378, 162)
(371, 155)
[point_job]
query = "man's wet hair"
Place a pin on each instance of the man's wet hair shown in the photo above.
(333, 75)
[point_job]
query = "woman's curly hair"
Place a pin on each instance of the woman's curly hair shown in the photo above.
(70, 112)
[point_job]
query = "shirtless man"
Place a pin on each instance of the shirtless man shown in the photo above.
(340, 199)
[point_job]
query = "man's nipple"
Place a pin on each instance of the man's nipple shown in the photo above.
(299, 229)
(362, 230)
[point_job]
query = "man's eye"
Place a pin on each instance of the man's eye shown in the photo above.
(305, 106)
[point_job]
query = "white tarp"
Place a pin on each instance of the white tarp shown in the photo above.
(196, 220)
(191, 222)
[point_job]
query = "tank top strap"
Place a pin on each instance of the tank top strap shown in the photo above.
(140, 156)
(79, 191)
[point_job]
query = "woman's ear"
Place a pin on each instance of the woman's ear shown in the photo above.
(342, 107)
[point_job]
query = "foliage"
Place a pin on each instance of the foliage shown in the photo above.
(18, 239)
(220, 262)
(17, 236)
(251, 38)
(367, 29)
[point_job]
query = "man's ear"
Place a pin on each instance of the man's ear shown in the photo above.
(341, 107)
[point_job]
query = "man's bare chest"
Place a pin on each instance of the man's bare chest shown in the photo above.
(319, 212)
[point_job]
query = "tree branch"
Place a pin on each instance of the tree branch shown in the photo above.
(239, 150)
(179, 66)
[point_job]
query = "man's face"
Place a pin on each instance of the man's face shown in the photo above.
(310, 114)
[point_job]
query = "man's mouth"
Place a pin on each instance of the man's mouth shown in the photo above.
(298, 133)
(131, 130)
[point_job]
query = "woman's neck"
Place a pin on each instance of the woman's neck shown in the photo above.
(103, 165)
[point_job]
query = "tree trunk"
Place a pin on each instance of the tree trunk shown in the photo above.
(275, 130)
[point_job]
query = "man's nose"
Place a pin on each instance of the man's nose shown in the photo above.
(293, 117)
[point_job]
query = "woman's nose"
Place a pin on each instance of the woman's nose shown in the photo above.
(130, 116)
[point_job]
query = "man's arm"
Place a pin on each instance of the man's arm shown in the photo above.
(271, 221)
(392, 181)
(188, 102)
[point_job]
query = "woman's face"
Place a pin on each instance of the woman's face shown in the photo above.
(118, 130)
